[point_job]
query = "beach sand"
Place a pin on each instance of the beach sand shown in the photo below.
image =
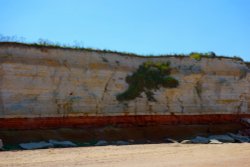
(145, 155)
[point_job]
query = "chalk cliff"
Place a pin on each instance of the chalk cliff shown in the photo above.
(55, 82)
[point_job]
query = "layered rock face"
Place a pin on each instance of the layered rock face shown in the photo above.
(40, 82)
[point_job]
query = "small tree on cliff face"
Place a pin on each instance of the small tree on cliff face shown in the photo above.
(149, 76)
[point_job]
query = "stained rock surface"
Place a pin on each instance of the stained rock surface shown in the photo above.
(42, 82)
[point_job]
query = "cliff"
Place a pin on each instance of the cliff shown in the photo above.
(39, 82)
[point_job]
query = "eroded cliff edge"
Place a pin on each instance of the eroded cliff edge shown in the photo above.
(46, 82)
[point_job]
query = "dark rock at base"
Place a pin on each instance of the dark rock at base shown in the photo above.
(101, 143)
(36, 145)
(222, 138)
(200, 140)
(120, 142)
(239, 138)
(62, 143)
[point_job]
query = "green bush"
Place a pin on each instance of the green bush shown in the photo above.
(149, 76)
(169, 82)
(196, 56)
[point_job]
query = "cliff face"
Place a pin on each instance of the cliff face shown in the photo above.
(53, 82)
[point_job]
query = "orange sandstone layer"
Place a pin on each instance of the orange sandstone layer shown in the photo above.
(121, 121)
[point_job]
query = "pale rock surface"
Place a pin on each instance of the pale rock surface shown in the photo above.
(214, 141)
(186, 142)
(47, 82)
(169, 140)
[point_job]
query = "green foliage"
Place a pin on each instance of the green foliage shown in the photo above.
(169, 82)
(149, 76)
(196, 56)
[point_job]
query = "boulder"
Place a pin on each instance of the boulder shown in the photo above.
(62, 143)
(214, 141)
(186, 142)
(120, 142)
(239, 138)
(222, 138)
(35, 145)
(200, 140)
(101, 143)
(168, 140)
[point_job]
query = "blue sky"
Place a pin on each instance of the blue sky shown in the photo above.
(139, 26)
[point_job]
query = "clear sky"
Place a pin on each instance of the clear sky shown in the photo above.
(139, 26)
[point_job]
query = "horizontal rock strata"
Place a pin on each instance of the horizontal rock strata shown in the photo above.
(49, 87)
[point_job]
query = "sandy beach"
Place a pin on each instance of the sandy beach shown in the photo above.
(147, 155)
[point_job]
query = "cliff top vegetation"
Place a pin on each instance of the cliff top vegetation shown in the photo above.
(54, 45)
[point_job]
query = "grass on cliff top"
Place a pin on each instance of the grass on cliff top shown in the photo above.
(42, 43)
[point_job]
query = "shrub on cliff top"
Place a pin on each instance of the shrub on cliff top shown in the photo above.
(196, 56)
(149, 76)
